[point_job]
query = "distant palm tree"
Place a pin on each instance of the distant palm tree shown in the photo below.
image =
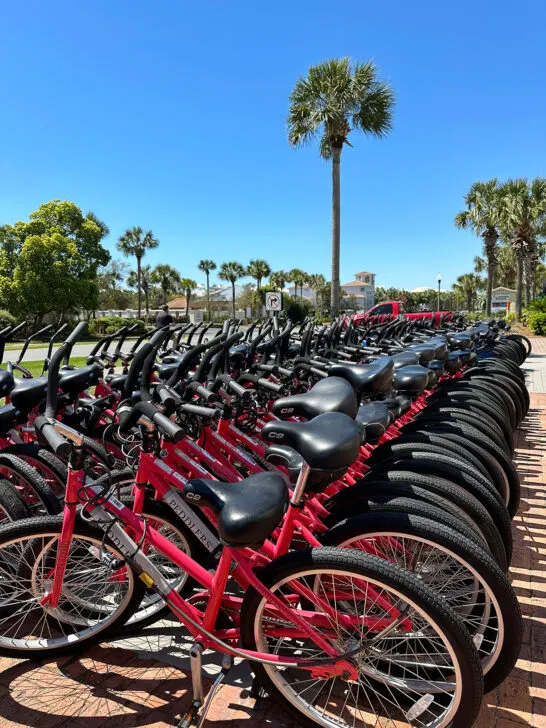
(258, 269)
(167, 278)
(206, 266)
(279, 279)
(483, 203)
(135, 241)
(231, 272)
(298, 278)
(468, 285)
(334, 98)
(145, 276)
(187, 285)
(523, 217)
(317, 283)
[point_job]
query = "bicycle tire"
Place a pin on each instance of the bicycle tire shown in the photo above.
(498, 654)
(383, 575)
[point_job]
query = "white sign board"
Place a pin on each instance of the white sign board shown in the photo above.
(273, 301)
(196, 316)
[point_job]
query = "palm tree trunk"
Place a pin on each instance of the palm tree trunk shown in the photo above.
(233, 298)
(336, 229)
(138, 285)
(147, 300)
(519, 282)
(208, 298)
(165, 294)
(188, 296)
(490, 243)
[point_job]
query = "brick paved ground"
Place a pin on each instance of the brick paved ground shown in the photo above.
(145, 683)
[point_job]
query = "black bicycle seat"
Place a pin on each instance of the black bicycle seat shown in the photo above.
(328, 442)
(328, 395)
(368, 379)
(248, 511)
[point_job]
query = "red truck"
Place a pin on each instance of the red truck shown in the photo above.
(396, 308)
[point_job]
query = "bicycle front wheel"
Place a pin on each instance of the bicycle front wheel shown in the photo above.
(100, 592)
(421, 670)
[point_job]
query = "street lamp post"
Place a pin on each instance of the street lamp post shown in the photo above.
(439, 282)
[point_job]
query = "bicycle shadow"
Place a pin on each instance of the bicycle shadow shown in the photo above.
(521, 699)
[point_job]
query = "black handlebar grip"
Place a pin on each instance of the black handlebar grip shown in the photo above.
(61, 447)
(195, 409)
(167, 396)
(75, 335)
(167, 426)
(205, 393)
(270, 385)
(237, 388)
(17, 328)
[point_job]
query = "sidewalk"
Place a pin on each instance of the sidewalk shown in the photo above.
(144, 682)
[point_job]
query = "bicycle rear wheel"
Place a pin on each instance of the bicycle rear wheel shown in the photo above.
(424, 671)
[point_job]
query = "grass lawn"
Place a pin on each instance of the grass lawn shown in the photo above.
(35, 367)
(18, 345)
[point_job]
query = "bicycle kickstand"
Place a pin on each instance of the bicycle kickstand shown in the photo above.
(195, 716)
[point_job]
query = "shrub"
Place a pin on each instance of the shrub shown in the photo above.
(6, 319)
(110, 324)
(538, 304)
(536, 320)
(296, 309)
(510, 317)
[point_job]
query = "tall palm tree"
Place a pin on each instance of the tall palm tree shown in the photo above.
(258, 269)
(482, 216)
(298, 278)
(523, 216)
(135, 241)
(468, 285)
(334, 98)
(167, 278)
(278, 279)
(206, 266)
(231, 272)
(187, 285)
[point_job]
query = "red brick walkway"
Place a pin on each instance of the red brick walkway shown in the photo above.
(122, 686)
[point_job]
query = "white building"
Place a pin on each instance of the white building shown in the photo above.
(362, 288)
(502, 298)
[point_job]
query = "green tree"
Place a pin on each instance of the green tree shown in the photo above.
(146, 283)
(278, 279)
(522, 222)
(482, 215)
(50, 263)
(468, 286)
(167, 278)
(298, 278)
(206, 266)
(135, 242)
(231, 272)
(335, 98)
(258, 269)
(111, 295)
(317, 283)
(187, 285)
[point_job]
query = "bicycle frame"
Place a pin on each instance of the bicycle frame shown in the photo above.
(117, 520)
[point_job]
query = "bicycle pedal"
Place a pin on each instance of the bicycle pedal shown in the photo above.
(191, 717)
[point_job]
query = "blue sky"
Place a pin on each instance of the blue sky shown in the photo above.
(171, 115)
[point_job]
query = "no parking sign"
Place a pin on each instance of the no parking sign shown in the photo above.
(273, 301)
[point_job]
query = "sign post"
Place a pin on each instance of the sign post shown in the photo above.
(273, 302)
